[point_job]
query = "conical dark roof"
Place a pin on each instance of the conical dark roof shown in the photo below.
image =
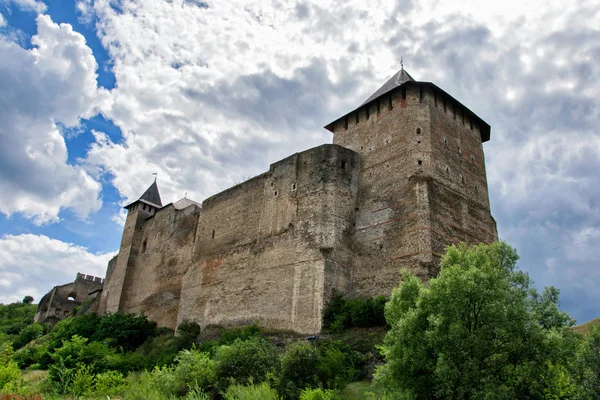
(151, 195)
(398, 79)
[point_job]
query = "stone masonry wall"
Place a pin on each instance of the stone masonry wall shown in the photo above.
(155, 270)
(409, 207)
(265, 248)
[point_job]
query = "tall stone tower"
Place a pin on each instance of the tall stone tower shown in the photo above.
(422, 180)
(112, 298)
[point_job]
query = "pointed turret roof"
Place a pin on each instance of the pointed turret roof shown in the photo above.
(398, 79)
(150, 197)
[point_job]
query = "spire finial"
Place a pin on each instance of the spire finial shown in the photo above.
(402, 63)
(155, 175)
(185, 195)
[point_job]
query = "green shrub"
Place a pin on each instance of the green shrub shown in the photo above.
(318, 394)
(244, 361)
(337, 369)
(196, 393)
(78, 351)
(299, 369)
(194, 369)
(161, 350)
(142, 387)
(228, 336)
(252, 392)
(188, 331)
(29, 333)
(165, 381)
(84, 326)
(364, 312)
(125, 331)
(83, 381)
(10, 374)
(109, 383)
(127, 362)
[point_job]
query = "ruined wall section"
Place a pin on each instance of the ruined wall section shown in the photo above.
(156, 266)
(393, 139)
(459, 192)
(60, 302)
(265, 248)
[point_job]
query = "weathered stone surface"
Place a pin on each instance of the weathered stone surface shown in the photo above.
(60, 302)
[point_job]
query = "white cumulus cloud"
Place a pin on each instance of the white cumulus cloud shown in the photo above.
(43, 89)
(33, 264)
(33, 5)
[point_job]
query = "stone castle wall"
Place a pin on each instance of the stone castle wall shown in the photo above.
(404, 178)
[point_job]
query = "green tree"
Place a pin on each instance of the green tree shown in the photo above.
(27, 300)
(245, 362)
(478, 331)
(299, 369)
(588, 365)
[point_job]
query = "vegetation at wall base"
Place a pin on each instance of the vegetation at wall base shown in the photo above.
(478, 330)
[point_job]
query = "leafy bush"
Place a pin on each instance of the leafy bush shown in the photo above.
(318, 394)
(29, 333)
(125, 331)
(109, 383)
(299, 369)
(15, 316)
(142, 387)
(188, 331)
(84, 326)
(252, 392)
(244, 361)
(83, 381)
(194, 369)
(364, 312)
(10, 374)
(336, 368)
(159, 350)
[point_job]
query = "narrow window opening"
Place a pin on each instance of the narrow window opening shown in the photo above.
(357, 118)
(419, 162)
(293, 186)
(418, 141)
(404, 93)
(343, 164)
(213, 234)
(471, 123)
(390, 105)
(144, 244)
(462, 179)
(447, 170)
(378, 106)
(445, 106)
(472, 158)
(144, 206)
(367, 111)
(361, 147)
(271, 184)
(435, 99)
(446, 141)
(276, 193)
(421, 94)
(418, 131)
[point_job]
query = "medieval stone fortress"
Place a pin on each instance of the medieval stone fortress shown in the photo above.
(404, 177)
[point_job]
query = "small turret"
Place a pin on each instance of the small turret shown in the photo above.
(149, 202)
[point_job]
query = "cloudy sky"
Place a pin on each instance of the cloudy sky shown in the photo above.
(96, 95)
